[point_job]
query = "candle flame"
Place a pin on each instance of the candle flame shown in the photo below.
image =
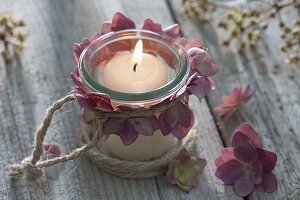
(138, 53)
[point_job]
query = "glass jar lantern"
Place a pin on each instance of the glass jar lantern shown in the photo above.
(92, 65)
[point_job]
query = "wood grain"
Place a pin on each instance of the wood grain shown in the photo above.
(41, 75)
(275, 108)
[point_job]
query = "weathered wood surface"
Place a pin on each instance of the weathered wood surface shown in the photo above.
(41, 75)
(275, 108)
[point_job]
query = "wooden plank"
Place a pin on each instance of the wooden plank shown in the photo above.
(28, 87)
(42, 75)
(275, 108)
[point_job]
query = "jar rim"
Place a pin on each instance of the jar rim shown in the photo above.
(166, 90)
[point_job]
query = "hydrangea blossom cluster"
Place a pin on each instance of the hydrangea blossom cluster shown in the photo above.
(232, 103)
(177, 120)
(184, 170)
(246, 164)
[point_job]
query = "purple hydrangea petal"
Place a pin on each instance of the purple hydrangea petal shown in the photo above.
(268, 159)
(185, 115)
(244, 186)
(199, 86)
(101, 100)
(145, 125)
(269, 183)
(193, 43)
(177, 120)
(105, 28)
(85, 102)
(246, 154)
(200, 60)
(94, 101)
(181, 131)
(256, 172)
(51, 151)
(152, 26)
(77, 81)
(121, 22)
(78, 48)
(230, 171)
(227, 154)
(197, 56)
(242, 131)
(128, 134)
(114, 125)
(165, 127)
(173, 31)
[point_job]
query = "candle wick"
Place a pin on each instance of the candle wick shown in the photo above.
(134, 67)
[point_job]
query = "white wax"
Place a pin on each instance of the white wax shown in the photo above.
(119, 75)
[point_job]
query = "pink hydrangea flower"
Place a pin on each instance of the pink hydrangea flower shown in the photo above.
(246, 164)
(200, 60)
(199, 86)
(79, 47)
(184, 170)
(177, 120)
(173, 30)
(232, 103)
(200, 83)
(129, 128)
(91, 101)
(121, 22)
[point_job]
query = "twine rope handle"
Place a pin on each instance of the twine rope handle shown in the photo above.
(31, 167)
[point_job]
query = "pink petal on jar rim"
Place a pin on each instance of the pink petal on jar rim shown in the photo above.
(173, 31)
(121, 22)
(152, 26)
(105, 28)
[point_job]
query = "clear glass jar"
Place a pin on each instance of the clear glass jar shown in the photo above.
(93, 61)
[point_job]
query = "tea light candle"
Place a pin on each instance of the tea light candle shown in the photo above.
(136, 72)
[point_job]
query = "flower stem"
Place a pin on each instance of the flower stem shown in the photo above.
(245, 116)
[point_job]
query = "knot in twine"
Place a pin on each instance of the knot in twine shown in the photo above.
(32, 167)
(26, 168)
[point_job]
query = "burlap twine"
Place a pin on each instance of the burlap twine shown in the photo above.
(32, 167)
